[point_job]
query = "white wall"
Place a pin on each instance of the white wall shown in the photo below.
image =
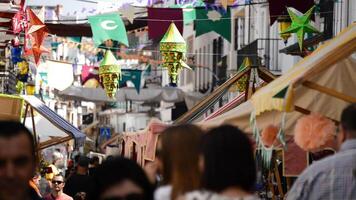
(133, 121)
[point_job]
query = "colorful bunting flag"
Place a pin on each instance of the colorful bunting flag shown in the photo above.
(160, 20)
(108, 27)
(221, 24)
(279, 8)
(133, 75)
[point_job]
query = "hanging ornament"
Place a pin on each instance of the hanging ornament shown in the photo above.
(284, 23)
(110, 74)
(173, 49)
(23, 71)
(241, 83)
(36, 33)
(300, 25)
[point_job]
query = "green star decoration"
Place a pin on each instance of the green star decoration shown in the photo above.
(300, 25)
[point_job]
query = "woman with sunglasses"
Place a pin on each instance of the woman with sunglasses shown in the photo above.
(57, 189)
(121, 179)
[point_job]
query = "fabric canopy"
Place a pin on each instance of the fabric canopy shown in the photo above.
(167, 94)
(331, 67)
(62, 130)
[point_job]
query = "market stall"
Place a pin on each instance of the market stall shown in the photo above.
(47, 126)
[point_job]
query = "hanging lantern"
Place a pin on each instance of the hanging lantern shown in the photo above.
(30, 89)
(284, 23)
(173, 49)
(110, 74)
(19, 87)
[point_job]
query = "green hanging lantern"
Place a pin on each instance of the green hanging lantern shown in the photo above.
(173, 49)
(241, 83)
(110, 74)
(300, 25)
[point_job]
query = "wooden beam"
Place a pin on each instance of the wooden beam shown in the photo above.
(209, 99)
(307, 112)
(33, 126)
(25, 115)
(52, 142)
(265, 75)
(329, 91)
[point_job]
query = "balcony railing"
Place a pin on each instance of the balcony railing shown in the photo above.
(7, 82)
(262, 52)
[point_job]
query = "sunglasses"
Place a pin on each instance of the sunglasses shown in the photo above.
(127, 197)
(57, 182)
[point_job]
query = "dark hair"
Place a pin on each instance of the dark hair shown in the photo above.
(348, 118)
(180, 158)
(228, 159)
(10, 129)
(117, 170)
(83, 161)
(94, 160)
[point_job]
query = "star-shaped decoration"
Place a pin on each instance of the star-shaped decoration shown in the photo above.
(300, 25)
(35, 22)
(214, 15)
(128, 11)
(36, 52)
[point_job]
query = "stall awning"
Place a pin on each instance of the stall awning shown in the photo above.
(167, 94)
(57, 121)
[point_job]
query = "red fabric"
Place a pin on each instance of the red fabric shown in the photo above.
(89, 72)
(295, 160)
(156, 27)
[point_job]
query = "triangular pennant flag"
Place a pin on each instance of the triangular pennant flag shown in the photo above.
(211, 20)
(245, 63)
(133, 75)
(160, 20)
(128, 11)
(281, 94)
(108, 27)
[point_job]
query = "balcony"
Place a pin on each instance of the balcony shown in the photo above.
(262, 52)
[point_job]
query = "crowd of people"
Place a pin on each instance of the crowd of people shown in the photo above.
(190, 164)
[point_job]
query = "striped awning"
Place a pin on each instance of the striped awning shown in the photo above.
(56, 120)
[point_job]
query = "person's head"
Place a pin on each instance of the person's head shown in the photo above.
(179, 154)
(17, 159)
(57, 184)
(36, 178)
(94, 161)
(347, 124)
(121, 178)
(80, 196)
(83, 165)
(228, 160)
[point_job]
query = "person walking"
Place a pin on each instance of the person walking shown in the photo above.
(333, 177)
(57, 189)
(80, 181)
(228, 166)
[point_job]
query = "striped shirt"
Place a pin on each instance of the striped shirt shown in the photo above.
(331, 178)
